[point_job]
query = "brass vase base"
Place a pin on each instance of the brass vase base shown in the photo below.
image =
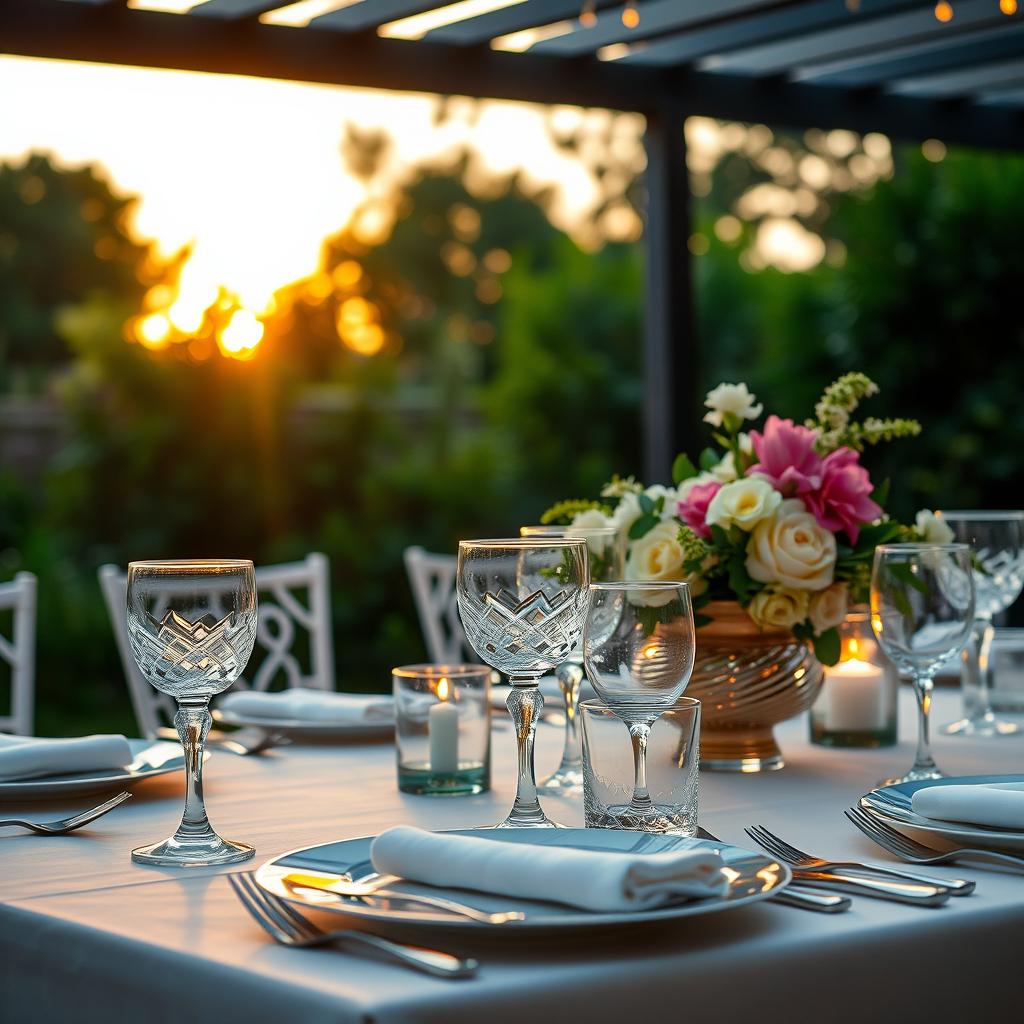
(748, 750)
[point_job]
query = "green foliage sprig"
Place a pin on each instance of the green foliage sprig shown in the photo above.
(835, 408)
(563, 512)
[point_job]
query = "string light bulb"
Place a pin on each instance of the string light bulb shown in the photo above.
(588, 16)
(944, 11)
(630, 15)
(1008, 7)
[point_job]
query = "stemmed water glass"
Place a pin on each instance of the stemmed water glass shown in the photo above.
(997, 540)
(606, 551)
(638, 648)
(523, 601)
(192, 626)
(922, 610)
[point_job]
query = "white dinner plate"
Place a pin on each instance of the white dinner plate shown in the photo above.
(893, 804)
(149, 759)
(752, 877)
(303, 729)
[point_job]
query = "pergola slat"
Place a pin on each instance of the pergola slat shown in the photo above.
(969, 81)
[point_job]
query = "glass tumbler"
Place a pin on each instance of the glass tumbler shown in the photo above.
(673, 759)
(443, 729)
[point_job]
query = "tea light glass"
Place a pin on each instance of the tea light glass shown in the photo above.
(673, 760)
(443, 729)
(857, 704)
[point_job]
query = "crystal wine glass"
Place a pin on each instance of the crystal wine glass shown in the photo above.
(638, 648)
(523, 601)
(192, 626)
(922, 610)
(997, 539)
(606, 551)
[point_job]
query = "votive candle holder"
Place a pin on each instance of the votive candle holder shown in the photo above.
(443, 729)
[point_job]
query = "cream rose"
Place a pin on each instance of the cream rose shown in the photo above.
(791, 549)
(743, 503)
(932, 529)
(782, 608)
(828, 607)
(591, 519)
(658, 555)
(730, 400)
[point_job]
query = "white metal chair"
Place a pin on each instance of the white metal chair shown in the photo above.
(282, 619)
(20, 652)
(432, 578)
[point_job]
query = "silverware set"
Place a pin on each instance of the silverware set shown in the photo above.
(289, 927)
(244, 742)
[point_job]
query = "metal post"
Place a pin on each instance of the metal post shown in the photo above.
(671, 415)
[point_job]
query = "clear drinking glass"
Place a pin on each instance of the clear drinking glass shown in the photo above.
(638, 648)
(922, 610)
(192, 626)
(997, 539)
(523, 601)
(673, 759)
(607, 553)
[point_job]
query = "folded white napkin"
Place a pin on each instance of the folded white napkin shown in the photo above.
(998, 804)
(28, 757)
(590, 879)
(311, 705)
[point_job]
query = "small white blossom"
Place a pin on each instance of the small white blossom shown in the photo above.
(932, 529)
(731, 399)
(591, 519)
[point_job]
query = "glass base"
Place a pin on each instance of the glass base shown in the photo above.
(661, 818)
(540, 820)
(914, 775)
(987, 725)
(205, 850)
(853, 738)
(567, 781)
(744, 765)
(470, 778)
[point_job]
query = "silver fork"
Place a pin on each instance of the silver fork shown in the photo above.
(243, 742)
(794, 896)
(806, 861)
(288, 927)
(65, 825)
(910, 850)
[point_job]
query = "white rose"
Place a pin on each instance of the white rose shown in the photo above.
(658, 555)
(591, 519)
(730, 400)
(828, 607)
(743, 502)
(932, 529)
(626, 513)
(791, 549)
(782, 608)
(670, 496)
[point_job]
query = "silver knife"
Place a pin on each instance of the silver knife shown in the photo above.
(914, 893)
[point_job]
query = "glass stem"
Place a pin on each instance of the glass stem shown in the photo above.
(525, 702)
(638, 733)
(570, 675)
(193, 723)
(977, 673)
(923, 762)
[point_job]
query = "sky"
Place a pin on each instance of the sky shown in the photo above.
(224, 163)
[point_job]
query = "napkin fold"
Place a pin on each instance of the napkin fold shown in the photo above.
(590, 879)
(306, 705)
(1000, 805)
(29, 757)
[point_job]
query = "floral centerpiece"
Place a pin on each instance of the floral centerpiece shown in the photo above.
(781, 522)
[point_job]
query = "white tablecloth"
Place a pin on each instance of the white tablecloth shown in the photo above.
(87, 936)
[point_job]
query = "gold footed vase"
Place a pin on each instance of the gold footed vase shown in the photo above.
(748, 680)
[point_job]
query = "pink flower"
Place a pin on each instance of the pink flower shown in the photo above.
(786, 456)
(843, 501)
(693, 509)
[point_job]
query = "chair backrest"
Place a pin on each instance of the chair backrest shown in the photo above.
(282, 619)
(432, 578)
(20, 652)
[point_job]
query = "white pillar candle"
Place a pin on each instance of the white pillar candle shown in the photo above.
(854, 697)
(444, 732)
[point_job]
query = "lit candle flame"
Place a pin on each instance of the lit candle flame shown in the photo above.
(443, 688)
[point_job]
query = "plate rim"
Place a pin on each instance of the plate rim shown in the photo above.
(14, 786)
(572, 918)
(935, 825)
